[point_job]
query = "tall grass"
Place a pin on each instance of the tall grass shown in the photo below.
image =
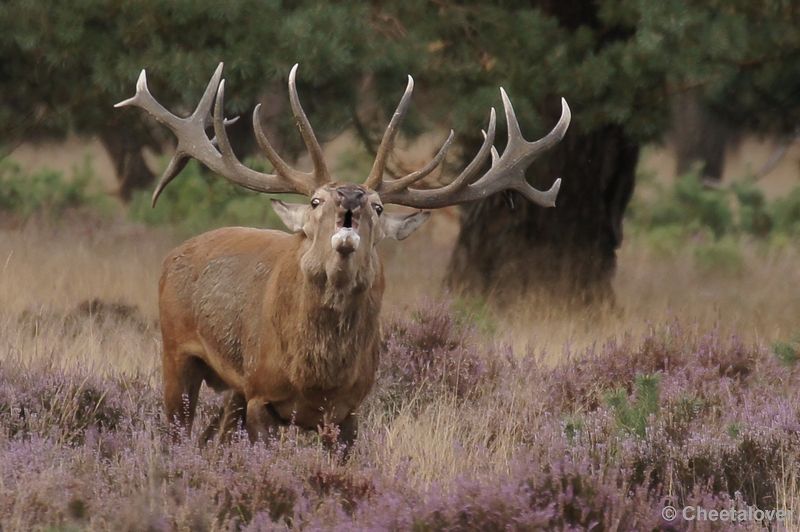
(47, 266)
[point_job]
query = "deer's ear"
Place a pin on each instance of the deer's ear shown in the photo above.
(400, 226)
(291, 214)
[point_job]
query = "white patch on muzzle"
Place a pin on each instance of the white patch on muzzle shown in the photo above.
(345, 240)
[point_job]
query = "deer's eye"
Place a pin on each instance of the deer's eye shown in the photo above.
(378, 209)
(315, 203)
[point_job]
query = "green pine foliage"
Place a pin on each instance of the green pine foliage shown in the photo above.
(785, 213)
(756, 217)
(787, 352)
(691, 207)
(63, 64)
(633, 415)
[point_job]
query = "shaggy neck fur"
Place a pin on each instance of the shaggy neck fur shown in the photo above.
(341, 301)
(338, 278)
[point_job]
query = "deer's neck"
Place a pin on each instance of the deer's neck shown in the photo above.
(334, 281)
(339, 329)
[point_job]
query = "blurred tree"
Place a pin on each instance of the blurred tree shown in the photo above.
(699, 137)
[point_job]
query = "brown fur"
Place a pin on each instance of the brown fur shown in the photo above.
(287, 323)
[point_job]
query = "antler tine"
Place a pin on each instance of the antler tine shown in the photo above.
(315, 150)
(495, 155)
(432, 199)
(216, 153)
(207, 101)
(144, 99)
(422, 173)
(239, 173)
(281, 167)
(543, 144)
(175, 167)
(387, 143)
(507, 171)
(468, 175)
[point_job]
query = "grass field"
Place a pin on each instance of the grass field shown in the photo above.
(529, 419)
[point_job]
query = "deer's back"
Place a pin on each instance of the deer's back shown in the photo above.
(212, 288)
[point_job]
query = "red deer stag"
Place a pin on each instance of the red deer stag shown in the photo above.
(289, 323)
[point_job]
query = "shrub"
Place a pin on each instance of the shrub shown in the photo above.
(582, 382)
(786, 213)
(787, 352)
(754, 215)
(431, 352)
(45, 401)
(689, 206)
(46, 191)
(724, 255)
(667, 240)
(688, 203)
(633, 416)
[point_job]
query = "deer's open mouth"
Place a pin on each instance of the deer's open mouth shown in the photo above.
(347, 220)
(346, 240)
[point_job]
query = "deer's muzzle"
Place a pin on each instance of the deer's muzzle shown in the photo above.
(346, 238)
(350, 197)
(350, 200)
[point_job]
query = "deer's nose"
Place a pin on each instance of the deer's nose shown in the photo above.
(350, 199)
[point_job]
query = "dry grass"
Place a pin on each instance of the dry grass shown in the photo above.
(48, 279)
(759, 302)
(52, 269)
(55, 267)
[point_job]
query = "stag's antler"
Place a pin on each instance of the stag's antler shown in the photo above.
(506, 172)
(216, 153)
(375, 179)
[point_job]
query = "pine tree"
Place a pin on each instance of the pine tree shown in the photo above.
(64, 64)
(618, 64)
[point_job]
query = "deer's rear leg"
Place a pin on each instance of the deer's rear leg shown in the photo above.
(261, 421)
(183, 376)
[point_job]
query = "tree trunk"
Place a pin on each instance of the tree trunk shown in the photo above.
(568, 252)
(698, 136)
(125, 151)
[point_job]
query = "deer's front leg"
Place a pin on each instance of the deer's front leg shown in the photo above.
(225, 423)
(338, 438)
(348, 431)
(261, 421)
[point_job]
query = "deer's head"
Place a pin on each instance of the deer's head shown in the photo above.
(343, 223)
